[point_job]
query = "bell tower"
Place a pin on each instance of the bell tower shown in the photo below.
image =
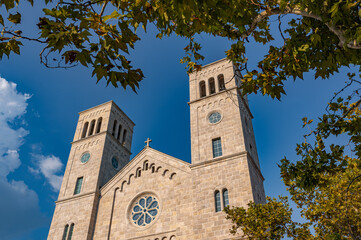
(225, 162)
(221, 121)
(100, 148)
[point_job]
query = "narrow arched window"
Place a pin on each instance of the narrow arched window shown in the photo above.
(91, 129)
(212, 86)
(65, 232)
(114, 127)
(99, 125)
(124, 136)
(202, 89)
(71, 231)
(221, 82)
(217, 201)
(85, 129)
(225, 197)
(119, 131)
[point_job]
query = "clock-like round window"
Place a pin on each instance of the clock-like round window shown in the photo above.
(115, 163)
(85, 157)
(145, 210)
(214, 117)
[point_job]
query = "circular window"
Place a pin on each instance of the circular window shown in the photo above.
(214, 117)
(115, 163)
(85, 157)
(144, 210)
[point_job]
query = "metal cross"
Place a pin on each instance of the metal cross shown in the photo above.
(147, 142)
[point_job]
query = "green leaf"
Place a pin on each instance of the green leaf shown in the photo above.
(15, 18)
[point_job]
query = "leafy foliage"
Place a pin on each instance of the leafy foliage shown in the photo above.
(325, 36)
(325, 183)
(267, 221)
(321, 36)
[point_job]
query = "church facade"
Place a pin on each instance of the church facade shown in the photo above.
(154, 196)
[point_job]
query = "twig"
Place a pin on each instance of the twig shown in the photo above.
(103, 8)
(27, 38)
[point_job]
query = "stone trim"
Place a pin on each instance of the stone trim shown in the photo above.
(92, 108)
(108, 134)
(212, 95)
(153, 235)
(106, 103)
(126, 172)
(88, 137)
(75, 197)
(218, 160)
(210, 64)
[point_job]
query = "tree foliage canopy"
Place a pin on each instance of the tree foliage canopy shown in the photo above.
(323, 36)
(320, 36)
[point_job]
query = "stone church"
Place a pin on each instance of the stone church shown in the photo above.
(154, 196)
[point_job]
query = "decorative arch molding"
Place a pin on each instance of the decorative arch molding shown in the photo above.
(94, 114)
(172, 175)
(152, 167)
(122, 186)
(165, 172)
(130, 177)
(214, 104)
(87, 145)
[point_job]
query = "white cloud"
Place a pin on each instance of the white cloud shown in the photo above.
(18, 205)
(49, 166)
(12, 105)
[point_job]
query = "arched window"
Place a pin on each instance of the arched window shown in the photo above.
(65, 232)
(212, 86)
(91, 129)
(119, 131)
(225, 197)
(99, 125)
(217, 201)
(85, 129)
(221, 82)
(71, 231)
(124, 136)
(114, 127)
(202, 89)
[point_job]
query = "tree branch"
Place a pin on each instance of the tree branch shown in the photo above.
(103, 8)
(27, 38)
(288, 10)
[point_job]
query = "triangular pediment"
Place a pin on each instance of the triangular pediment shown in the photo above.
(148, 159)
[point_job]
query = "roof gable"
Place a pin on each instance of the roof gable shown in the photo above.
(147, 159)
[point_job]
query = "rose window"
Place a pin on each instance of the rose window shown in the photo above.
(145, 210)
(214, 117)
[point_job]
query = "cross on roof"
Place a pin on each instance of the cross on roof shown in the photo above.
(148, 141)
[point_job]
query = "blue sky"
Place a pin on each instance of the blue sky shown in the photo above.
(38, 116)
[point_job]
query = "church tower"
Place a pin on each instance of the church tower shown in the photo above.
(225, 163)
(100, 148)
